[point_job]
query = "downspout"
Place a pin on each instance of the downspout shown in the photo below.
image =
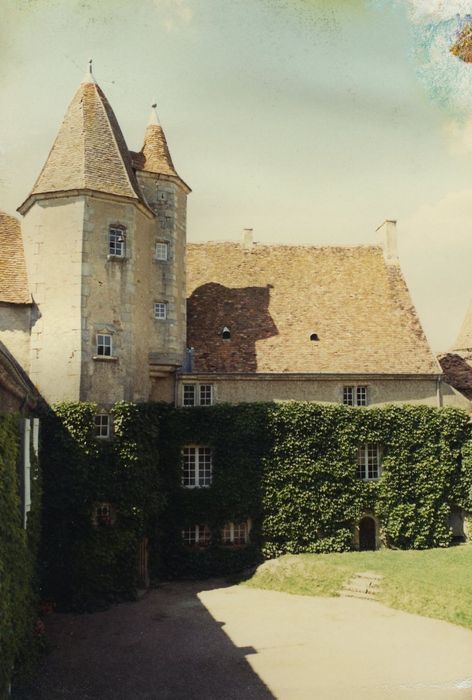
(439, 391)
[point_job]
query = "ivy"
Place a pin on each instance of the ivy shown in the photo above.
(18, 549)
(289, 467)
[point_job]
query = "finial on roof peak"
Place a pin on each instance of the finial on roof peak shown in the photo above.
(153, 117)
(89, 78)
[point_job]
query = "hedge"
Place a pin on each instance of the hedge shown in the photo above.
(19, 645)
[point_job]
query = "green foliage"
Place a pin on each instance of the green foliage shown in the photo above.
(313, 497)
(84, 565)
(18, 599)
(289, 467)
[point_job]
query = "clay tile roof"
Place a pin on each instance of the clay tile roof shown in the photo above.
(13, 280)
(457, 370)
(273, 298)
(89, 151)
(464, 339)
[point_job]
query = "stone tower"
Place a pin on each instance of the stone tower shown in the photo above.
(105, 261)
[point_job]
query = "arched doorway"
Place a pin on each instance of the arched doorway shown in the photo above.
(367, 538)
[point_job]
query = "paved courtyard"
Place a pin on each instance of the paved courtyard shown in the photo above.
(215, 642)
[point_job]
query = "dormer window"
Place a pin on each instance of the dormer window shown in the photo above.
(116, 241)
(226, 333)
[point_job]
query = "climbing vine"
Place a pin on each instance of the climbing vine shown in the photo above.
(289, 468)
(19, 646)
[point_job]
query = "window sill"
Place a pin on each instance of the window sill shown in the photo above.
(105, 358)
(116, 258)
(195, 486)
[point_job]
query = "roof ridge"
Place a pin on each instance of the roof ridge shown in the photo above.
(122, 148)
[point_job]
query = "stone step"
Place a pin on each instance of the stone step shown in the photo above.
(362, 585)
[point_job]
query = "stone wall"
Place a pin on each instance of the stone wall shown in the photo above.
(380, 391)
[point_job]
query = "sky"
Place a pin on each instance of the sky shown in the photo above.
(310, 121)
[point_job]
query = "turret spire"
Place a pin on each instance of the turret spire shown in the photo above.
(154, 117)
(89, 77)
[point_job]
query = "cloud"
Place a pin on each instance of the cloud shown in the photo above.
(175, 13)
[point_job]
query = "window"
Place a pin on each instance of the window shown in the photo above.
(197, 535)
(355, 396)
(206, 394)
(226, 333)
(368, 462)
(104, 345)
(189, 395)
(162, 250)
(235, 533)
(197, 466)
(160, 310)
(102, 425)
(197, 395)
(116, 241)
(103, 514)
(162, 196)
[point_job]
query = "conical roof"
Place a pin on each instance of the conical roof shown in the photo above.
(464, 339)
(89, 152)
(154, 156)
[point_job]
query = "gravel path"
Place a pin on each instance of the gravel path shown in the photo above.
(211, 642)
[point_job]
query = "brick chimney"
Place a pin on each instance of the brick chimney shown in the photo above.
(387, 236)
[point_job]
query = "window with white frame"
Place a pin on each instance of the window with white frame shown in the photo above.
(102, 425)
(355, 396)
(369, 461)
(116, 241)
(104, 345)
(197, 466)
(162, 250)
(189, 395)
(197, 394)
(235, 533)
(199, 535)
(160, 310)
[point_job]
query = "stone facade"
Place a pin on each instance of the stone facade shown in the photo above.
(107, 262)
(86, 285)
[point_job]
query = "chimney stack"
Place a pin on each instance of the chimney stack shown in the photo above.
(248, 238)
(387, 234)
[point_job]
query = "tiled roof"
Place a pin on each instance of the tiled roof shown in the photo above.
(89, 151)
(273, 298)
(13, 280)
(464, 339)
(154, 156)
(457, 370)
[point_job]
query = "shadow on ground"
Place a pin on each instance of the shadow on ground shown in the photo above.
(167, 645)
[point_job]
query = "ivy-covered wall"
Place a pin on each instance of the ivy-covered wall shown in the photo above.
(291, 468)
(18, 549)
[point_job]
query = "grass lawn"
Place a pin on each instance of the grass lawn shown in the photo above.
(434, 583)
